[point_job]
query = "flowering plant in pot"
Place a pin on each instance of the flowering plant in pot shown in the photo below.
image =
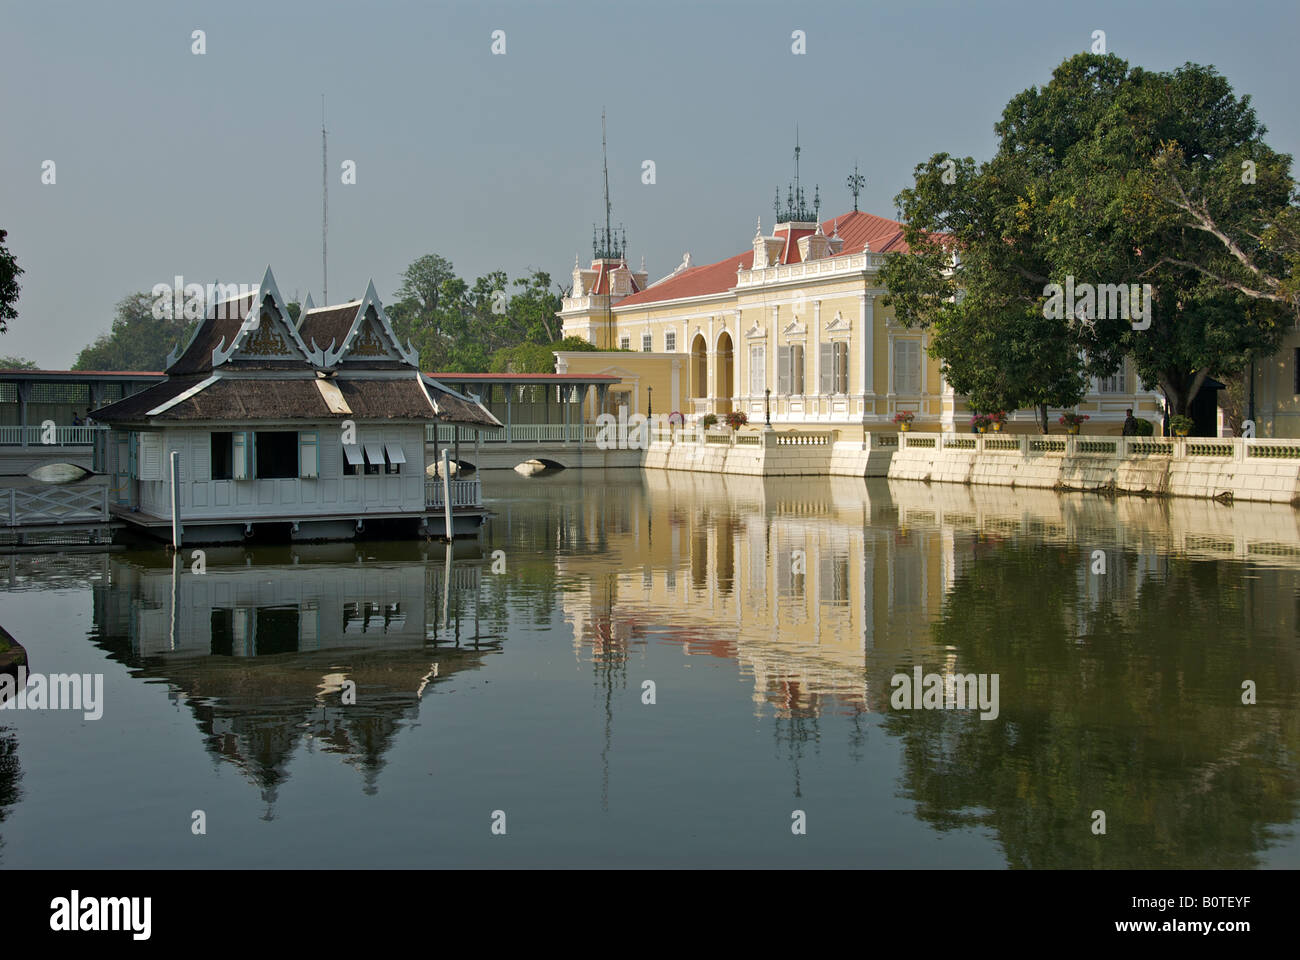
(997, 419)
(735, 420)
(903, 420)
(1072, 421)
(1181, 425)
(981, 421)
(709, 419)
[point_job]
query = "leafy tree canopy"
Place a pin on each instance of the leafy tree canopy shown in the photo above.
(1107, 175)
(137, 340)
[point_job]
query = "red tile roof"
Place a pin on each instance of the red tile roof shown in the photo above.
(855, 229)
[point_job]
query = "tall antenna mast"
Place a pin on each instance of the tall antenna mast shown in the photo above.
(604, 156)
(324, 208)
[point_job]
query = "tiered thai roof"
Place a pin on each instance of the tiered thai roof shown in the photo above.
(248, 362)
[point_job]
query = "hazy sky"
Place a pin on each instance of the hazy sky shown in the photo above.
(209, 166)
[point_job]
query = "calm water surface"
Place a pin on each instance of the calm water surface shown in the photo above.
(770, 619)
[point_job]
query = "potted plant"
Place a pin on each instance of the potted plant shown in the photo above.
(1072, 422)
(998, 419)
(981, 421)
(709, 420)
(903, 420)
(1181, 425)
(735, 420)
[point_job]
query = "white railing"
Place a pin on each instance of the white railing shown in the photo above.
(464, 493)
(54, 505)
(852, 263)
(1084, 445)
(65, 436)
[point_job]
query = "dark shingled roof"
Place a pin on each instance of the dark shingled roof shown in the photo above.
(197, 357)
(253, 399)
(327, 325)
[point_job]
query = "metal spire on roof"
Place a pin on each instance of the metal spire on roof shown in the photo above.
(796, 205)
(856, 182)
(324, 208)
(606, 245)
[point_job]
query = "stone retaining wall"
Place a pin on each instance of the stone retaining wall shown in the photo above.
(1242, 469)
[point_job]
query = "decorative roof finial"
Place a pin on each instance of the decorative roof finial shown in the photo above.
(856, 182)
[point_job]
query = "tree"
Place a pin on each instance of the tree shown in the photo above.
(1083, 186)
(137, 340)
(524, 358)
(17, 363)
(9, 274)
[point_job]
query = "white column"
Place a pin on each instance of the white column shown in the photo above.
(771, 348)
(889, 364)
(710, 364)
(737, 349)
(921, 358)
(816, 341)
(868, 346)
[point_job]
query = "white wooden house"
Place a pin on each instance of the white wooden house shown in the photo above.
(314, 429)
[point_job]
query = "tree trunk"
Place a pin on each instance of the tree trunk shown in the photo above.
(1042, 416)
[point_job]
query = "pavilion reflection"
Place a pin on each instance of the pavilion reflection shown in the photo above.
(262, 645)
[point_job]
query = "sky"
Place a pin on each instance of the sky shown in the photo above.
(208, 166)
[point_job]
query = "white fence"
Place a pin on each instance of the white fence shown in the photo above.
(1032, 444)
(38, 505)
(82, 436)
(464, 493)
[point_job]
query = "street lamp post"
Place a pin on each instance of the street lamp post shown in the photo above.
(767, 395)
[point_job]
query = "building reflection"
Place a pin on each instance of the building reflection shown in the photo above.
(1118, 646)
(262, 646)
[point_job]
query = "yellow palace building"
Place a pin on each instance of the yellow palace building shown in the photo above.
(798, 314)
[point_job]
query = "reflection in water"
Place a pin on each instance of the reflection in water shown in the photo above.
(1119, 691)
(267, 649)
(10, 775)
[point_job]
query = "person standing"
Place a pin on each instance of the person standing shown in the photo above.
(1130, 424)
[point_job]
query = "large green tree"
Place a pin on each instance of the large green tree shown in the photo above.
(459, 326)
(1101, 176)
(9, 274)
(137, 341)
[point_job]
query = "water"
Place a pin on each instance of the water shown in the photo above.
(770, 617)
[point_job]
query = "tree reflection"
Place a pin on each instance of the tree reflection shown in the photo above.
(1150, 729)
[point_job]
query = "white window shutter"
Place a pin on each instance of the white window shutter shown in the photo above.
(783, 369)
(826, 378)
(239, 455)
(308, 456)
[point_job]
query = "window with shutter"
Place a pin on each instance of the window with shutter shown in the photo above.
(826, 373)
(241, 454)
(1116, 382)
(308, 456)
(150, 456)
(907, 366)
(841, 367)
(757, 369)
(796, 369)
(782, 369)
